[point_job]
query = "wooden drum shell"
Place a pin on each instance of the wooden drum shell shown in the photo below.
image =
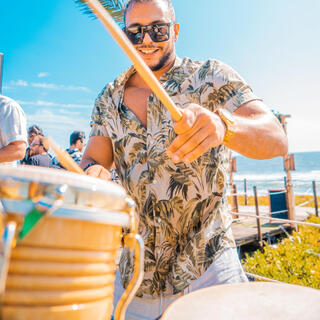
(63, 269)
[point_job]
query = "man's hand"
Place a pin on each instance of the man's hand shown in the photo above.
(98, 171)
(198, 131)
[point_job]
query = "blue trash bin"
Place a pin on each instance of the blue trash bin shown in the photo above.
(278, 203)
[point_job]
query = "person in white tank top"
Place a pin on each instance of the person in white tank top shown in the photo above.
(13, 131)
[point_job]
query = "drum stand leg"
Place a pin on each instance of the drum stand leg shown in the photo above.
(136, 246)
(7, 244)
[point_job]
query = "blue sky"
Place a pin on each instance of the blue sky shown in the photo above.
(57, 60)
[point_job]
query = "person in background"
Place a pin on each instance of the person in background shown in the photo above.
(38, 154)
(13, 131)
(33, 131)
(77, 142)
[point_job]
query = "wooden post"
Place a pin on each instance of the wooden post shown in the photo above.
(234, 201)
(258, 214)
(245, 193)
(314, 187)
(289, 188)
(288, 166)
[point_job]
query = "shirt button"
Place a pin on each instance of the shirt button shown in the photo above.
(154, 181)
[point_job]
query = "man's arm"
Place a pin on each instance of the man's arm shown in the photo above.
(99, 150)
(13, 151)
(257, 133)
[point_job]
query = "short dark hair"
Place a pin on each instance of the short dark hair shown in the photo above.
(75, 136)
(35, 131)
(168, 3)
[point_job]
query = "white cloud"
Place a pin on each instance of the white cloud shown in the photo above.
(43, 74)
(45, 85)
(59, 87)
(6, 88)
(51, 86)
(59, 126)
(75, 88)
(41, 103)
(19, 83)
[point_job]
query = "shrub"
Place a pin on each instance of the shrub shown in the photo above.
(296, 260)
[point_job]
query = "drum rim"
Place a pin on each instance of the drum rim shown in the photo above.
(90, 214)
(54, 176)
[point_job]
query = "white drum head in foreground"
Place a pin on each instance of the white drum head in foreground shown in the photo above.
(247, 301)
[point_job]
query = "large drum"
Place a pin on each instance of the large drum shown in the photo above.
(247, 301)
(63, 232)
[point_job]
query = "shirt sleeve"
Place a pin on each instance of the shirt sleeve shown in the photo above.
(99, 115)
(13, 124)
(230, 89)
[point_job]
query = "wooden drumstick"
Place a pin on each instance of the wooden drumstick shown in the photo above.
(63, 157)
(141, 67)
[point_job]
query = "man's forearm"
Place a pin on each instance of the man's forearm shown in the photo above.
(13, 152)
(258, 136)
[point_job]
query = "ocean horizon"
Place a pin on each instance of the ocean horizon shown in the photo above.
(269, 174)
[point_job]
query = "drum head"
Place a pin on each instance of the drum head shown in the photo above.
(247, 301)
(29, 183)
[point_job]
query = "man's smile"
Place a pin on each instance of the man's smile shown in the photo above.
(148, 51)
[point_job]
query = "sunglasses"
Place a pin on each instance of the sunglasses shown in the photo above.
(158, 32)
(35, 144)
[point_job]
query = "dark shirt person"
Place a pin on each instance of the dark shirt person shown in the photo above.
(77, 142)
(39, 155)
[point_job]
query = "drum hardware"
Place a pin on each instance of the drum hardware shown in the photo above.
(44, 207)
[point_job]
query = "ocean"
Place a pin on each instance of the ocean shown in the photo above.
(269, 174)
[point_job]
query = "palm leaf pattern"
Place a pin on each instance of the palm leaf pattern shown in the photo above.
(182, 209)
(114, 7)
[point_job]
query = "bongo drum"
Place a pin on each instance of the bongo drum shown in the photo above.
(62, 234)
(247, 301)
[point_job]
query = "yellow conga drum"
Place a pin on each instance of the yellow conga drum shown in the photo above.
(247, 301)
(61, 236)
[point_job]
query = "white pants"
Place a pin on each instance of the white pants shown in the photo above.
(225, 269)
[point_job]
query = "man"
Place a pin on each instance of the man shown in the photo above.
(77, 142)
(177, 172)
(13, 132)
(39, 155)
(33, 131)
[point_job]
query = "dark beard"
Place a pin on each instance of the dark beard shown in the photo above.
(162, 62)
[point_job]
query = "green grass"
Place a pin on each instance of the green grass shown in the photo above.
(295, 261)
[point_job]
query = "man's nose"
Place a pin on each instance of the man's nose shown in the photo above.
(147, 39)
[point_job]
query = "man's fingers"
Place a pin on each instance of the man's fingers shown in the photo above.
(203, 147)
(98, 171)
(104, 174)
(185, 144)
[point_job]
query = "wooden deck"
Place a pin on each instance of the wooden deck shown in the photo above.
(245, 230)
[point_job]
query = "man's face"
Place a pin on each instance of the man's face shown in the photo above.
(81, 144)
(35, 147)
(156, 54)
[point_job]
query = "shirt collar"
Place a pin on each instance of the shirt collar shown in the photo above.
(124, 77)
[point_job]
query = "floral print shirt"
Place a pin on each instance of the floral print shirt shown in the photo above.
(182, 208)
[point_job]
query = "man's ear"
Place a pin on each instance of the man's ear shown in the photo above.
(176, 29)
